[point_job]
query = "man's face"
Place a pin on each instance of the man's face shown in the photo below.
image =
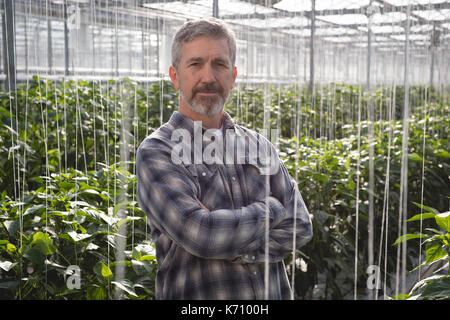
(205, 75)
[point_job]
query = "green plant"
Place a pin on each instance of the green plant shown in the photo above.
(437, 249)
(73, 219)
(58, 140)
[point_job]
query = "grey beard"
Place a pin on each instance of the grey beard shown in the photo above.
(205, 106)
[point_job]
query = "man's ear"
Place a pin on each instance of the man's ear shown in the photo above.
(234, 77)
(174, 77)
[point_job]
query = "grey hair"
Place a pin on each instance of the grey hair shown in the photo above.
(211, 28)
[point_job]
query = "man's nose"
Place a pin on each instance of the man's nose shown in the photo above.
(208, 75)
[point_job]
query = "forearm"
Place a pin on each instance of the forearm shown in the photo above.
(281, 236)
(168, 197)
(217, 234)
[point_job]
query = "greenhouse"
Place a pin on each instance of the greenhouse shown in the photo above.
(354, 95)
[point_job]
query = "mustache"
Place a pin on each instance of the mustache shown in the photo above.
(209, 87)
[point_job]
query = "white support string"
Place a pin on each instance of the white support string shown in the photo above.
(74, 63)
(385, 216)
(404, 168)
(294, 231)
(423, 174)
(94, 102)
(135, 125)
(357, 198)
(267, 127)
(47, 171)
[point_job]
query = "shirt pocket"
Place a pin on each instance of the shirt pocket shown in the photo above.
(210, 183)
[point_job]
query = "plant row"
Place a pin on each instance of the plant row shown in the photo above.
(70, 227)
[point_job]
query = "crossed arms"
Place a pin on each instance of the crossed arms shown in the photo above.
(168, 196)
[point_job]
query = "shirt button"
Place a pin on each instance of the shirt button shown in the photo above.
(253, 257)
(203, 173)
(255, 273)
(233, 178)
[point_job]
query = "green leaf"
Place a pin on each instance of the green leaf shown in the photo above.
(401, 296)
(33, 209)
(434, 251)
(422, 216)
(10, 248)
(92, 246)
(136, 254)
(443, 154)
(12, 226)
(110, 220)
(35, 255)
(103, 270)
(7, 265)
(426, 208)
(420, 266)
(443, 220)
(126, 286)
(121, 206)
(128, 219)
(66, 186)
(423, 283)
(147, 257)
(414, 157)
(74, 204)
(438, 288)
(78, 236)
(90, 191)
(320, 177)
(44, 242)
(96, 292)
(409, 236)
(141, 267)
(7, 246)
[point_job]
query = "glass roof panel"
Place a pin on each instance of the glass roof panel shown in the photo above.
(339, 39)
(203, 8)
(345, 19)
(189, 9)
(434, 15)
(335, 31)
(305, 5)
(389, 17)
(286, 22)
(421, 28)
(323, 32)
(379, 44)
(227, 7)
(70, 1)
(299, 32)
(383, 29)
(412, 37)
(355, 39)
(405, 2)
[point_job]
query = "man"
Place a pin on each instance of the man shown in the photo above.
(217, 215)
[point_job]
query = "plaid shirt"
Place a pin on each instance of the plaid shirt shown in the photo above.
(220, 253)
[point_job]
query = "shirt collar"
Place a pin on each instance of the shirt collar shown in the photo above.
(179, 120)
